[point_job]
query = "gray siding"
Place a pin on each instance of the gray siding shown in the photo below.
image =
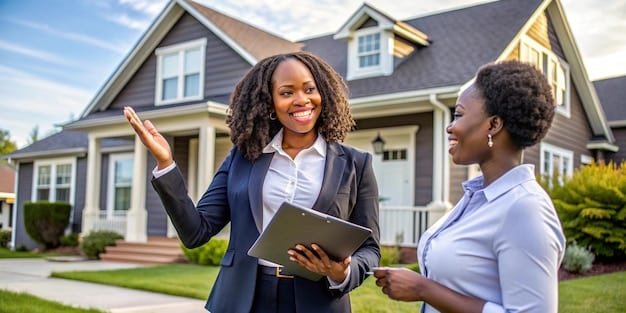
(223, 67)
(79, 194)
(24, 194)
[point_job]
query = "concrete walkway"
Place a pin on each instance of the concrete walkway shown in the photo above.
(32, 276)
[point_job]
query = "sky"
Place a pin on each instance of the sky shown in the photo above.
(55, 55)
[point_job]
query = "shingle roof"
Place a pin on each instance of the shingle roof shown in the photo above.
(612, 95)
(257, 42)
(64, 142)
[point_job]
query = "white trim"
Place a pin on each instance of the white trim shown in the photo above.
(561, 153)
(385, 52)
(53, 163)
(110, 210)
(180, 50)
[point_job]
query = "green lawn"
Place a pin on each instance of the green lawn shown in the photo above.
(13, 302)
(597, 294)
(8, 254)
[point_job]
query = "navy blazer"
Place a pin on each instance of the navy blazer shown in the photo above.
(349, 191)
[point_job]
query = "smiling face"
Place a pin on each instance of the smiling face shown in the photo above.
(467, 133)
(297, 101)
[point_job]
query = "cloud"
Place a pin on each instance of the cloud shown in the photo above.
(37, 54)
(89, 40)
(28, 100)
(138, 14)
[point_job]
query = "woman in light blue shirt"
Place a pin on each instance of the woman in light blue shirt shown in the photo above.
(500, 248)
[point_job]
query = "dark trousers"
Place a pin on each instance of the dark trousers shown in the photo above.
(273, 294)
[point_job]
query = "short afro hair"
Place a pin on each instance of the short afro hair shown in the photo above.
(521, 96)
(251, 103)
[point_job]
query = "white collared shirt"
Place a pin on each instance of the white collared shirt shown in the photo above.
(296, 181)
(502, 243)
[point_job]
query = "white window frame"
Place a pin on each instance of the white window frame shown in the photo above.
(180, 49)
(556, 70)
(555, 151)
(110, 210)
(385, 66)
(53, 163)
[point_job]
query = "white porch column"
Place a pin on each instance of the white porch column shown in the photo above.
(441, 161)
(137, 216)
(92, 188)
(206, 158)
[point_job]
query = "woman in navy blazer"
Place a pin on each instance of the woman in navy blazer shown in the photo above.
(288, 116)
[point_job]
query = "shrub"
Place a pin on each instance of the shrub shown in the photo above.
(5, 238)
(70, 240)
(577, 259)
(211, 253)
(96, 241)
(592, 208)
(46, 221)
(389, 255)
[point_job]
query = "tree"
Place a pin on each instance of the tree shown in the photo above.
(34, 135)
(6, 145)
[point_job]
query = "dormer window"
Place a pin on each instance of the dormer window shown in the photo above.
(369, 53)
(180, 72)
(369, 50)
(376, 42)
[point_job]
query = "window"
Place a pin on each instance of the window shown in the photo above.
(54, 180)
(180, 72)
(368, 53)
(556, 71)
(369, 50)
(120, 182)
(556, 163)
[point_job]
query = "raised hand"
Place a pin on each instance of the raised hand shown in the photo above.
(151, 138)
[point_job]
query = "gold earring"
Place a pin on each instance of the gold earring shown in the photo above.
(489, 141)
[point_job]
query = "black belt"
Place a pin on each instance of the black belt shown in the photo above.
(274, 271)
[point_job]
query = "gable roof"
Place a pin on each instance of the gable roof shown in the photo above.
(251, 43)
(384, 21)
(612, 95)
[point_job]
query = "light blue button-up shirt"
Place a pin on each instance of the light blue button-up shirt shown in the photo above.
(502, 243)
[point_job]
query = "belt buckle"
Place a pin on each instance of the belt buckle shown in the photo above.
(279, 275)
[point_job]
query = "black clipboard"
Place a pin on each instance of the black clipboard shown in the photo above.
(293, 225)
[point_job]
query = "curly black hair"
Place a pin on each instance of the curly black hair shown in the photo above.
(521, 96)
(251, 103)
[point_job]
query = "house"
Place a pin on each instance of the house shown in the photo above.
(7, 195)
(612, 95)
(404, 77)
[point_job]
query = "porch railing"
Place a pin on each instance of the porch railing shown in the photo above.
(115, 222)
(403, 226)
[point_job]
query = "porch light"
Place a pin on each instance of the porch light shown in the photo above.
(379, 144)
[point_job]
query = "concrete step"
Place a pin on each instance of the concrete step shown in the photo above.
(158, 250)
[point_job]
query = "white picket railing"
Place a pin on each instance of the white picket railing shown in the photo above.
(115, 222)
(403, 226)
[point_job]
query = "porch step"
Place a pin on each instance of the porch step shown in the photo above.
(158, 250)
